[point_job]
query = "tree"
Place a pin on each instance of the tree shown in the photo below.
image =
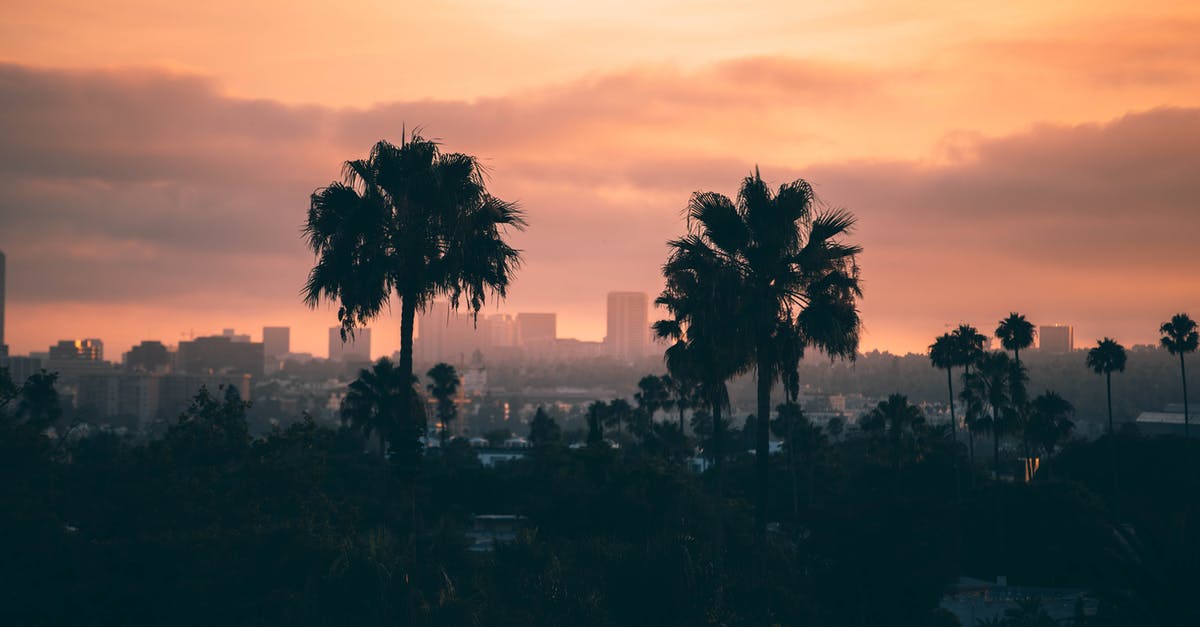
(374, 404)
(968, 349)
(619, 412)
(443, 387)
(1179, 337)
(803, 441)
(1106, 358)
(991, 384)
(543, 430)
(943, 354)
(37, 400)
(1049, 423)
(654, 393)
(899, 428)
(792, 269)
(597, 415)
(1015, 334)
(412, 221)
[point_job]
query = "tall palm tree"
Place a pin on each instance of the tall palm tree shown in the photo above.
(944, 356)
(442, 387)
(374, 401)
(1049, 422)
(1179, 337)
(794, 268)
(415, 222)
(1106, 358)
(967, 348)
(991, 383)
(1016, 334)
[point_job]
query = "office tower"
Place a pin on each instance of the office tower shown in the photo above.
(444, 334)
(83, 350)
(149, 356)
(3, 346)
(1058, 338)
(499, 331)
(236, 337)
(354, 349)
(220, 354)
(277, 342)
(537, 329)
(628, 325)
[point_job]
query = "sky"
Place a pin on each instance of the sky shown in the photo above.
(157, 157)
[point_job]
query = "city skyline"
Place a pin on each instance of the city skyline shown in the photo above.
(1033, 137)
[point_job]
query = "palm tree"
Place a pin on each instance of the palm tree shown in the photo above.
(1015, 334)
(1049, 422)
(413, 221)
(653, 394)
(442, 387)
(967, 349)
(991, 383)
(793, 268)
(374, 403)
(901, 428)
(1106, 358)
(1179, 337)
(944, 356)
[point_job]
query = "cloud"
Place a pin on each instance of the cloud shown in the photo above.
(146, 187)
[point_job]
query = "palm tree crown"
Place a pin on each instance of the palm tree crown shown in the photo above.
(413, 221)
(374, 404)
(443, 385)
(1015, 334)
(1106, 358)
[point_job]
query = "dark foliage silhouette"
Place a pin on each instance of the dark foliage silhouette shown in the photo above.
(1179, 337)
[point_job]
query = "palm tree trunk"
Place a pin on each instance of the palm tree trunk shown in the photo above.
(762, 434)
(1186, 414)
(1108, 388)
(408, 316)
(953, 433)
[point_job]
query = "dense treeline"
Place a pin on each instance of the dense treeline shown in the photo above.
(309, 525)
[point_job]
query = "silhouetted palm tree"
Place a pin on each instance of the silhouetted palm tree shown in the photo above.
(967, 350)
(1179, 337)
(1015, 334)
(37, 402)
(900, 426)
(943, 354)
(653, 394)
(991, 383)
(1106, 358)
(1049, 423)
(374, 402)
(413, 221)
(793, 269)
(442, 387)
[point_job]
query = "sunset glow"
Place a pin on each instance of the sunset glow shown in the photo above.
(158, 158)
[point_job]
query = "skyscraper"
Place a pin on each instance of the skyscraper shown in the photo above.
(537, 329)
(357, 348)
(3, 346)
(277, 341)
(628, 325)
(1058, 338)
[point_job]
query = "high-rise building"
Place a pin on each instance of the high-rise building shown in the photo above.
(219, 354)
(86, 350)
(277, 341)
(1058, 338)
(3, 346)
(149, 356)
(446, 335)
(236, 337)
(628, 325)
(537, 329)
(354, 349)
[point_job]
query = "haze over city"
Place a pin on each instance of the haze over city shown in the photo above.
(158, 159)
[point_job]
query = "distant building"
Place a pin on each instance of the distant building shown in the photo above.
(1056, 338)
(277, 342)
(236, 337)
(219, 354)
(1168, 422)
(354, 349)
(628, 330)
(149, 356)
(537, 329)
(83, 350)
(446, 335)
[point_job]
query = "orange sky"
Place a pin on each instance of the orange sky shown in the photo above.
(158, 156)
